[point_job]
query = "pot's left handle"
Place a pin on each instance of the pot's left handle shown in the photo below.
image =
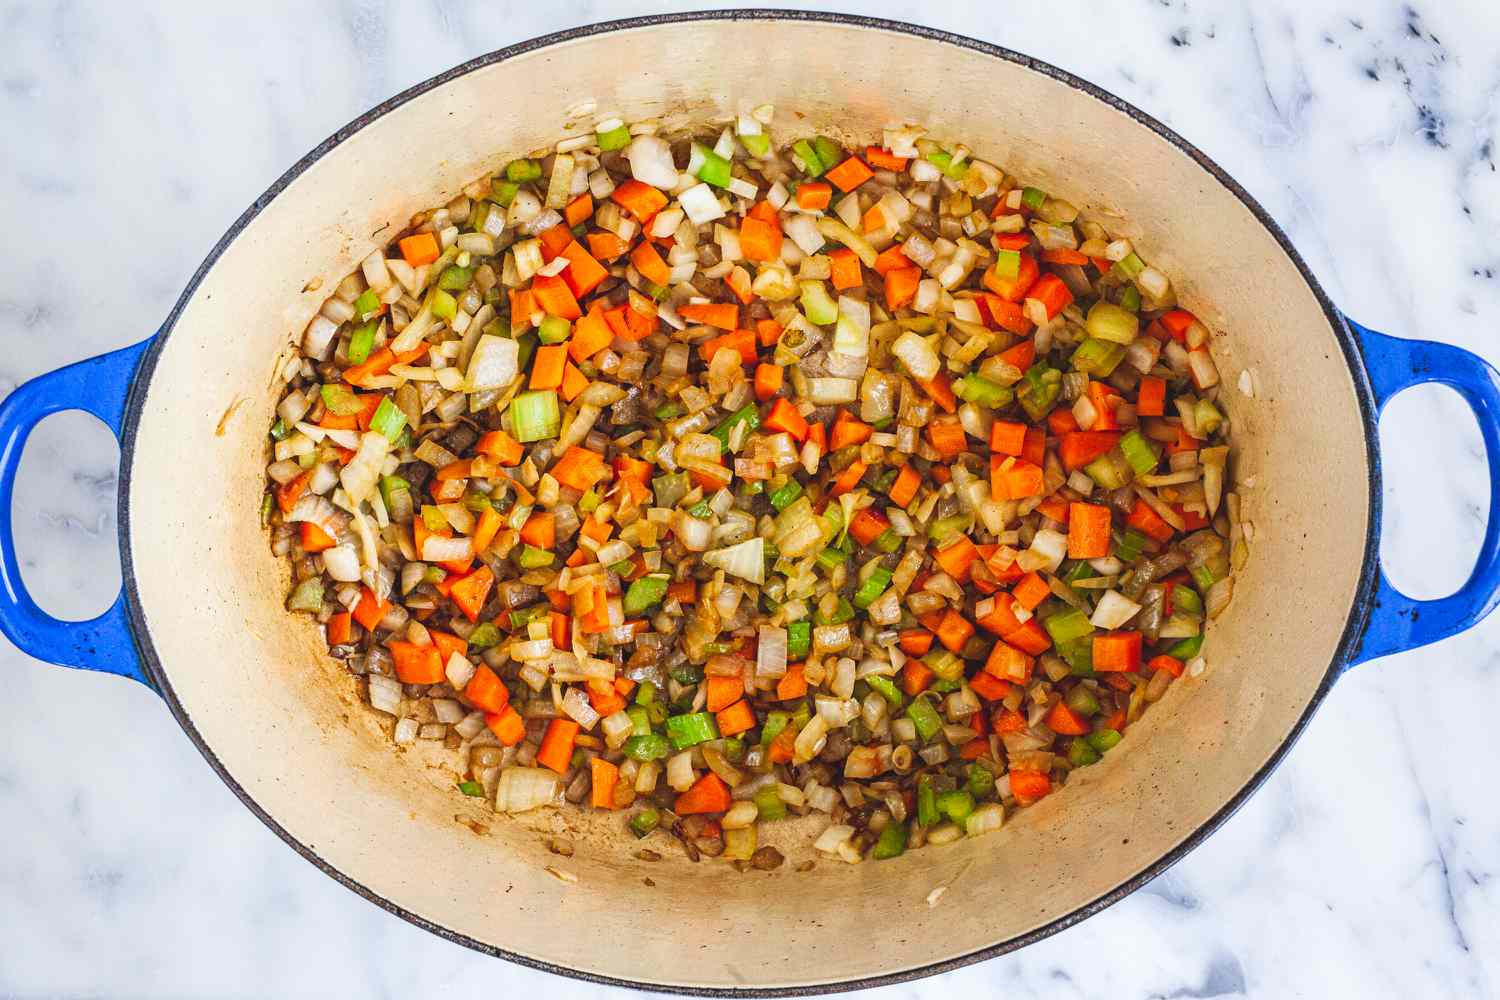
(98, 386)
(1398, 622)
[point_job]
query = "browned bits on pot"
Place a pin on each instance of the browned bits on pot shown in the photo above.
(767, 859)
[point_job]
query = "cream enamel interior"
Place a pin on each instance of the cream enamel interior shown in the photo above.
(284, 720)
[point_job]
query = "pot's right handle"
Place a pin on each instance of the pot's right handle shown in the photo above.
(98, 386)
(1398, 622)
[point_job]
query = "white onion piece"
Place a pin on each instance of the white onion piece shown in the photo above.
(459, 671)
(494, 363)
(342, 563)
(917, 355)
(385, 694)
(651, 161)
(701, 204)
(523, 788)
(770, 653)
(576, 706)
(1114, 610)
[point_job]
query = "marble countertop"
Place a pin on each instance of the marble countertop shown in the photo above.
(1366, 867)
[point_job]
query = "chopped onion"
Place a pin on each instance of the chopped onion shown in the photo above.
(692, 532)
(917, 355)
(1114, 610)
(523, 788)
(770, 653)
(385, 694)
(494, 363)
(701, 204)
(459, 671)
(342, 563)
(576, 706)
(830, 391)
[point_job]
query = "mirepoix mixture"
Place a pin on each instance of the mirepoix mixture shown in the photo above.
(718, 479)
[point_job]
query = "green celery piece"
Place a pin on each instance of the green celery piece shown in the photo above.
(455, 278)
(798, 639)
(1008, 264)
(1187, 648)
(1082, 701)
(975, 388)
(504, 192)
(886, 688)
(1109, 470)
(622, 567)
(388, 420)
(945, 529)
(776, 721)
(869, 591)
(1067, 625)
(391, 485)
(1080, 570)
(809, 157)
(1098, 358)
(843, 612)
(888, 541)
(1104, 739)
(1187, 599)
(768, 801)
(1130, 267)
(644, 593)
(531, 557)
(1203, 576)
(444, 306)
(280, 431)
(266, 506)
(757, 145)
(783, 496)
(367, 303)
(927, 811)
(640, 720)
(689, 730)
(1129, 545)
(956, 804)
(1033, 198)
(361, 341)
(1039, 390)
(307, 597)
(1130, 299)
(646, 693)
(925, 718)
(701, 510)
(714, 170)
(830, 153)
(821, 310)
(471, 788)
(521, 171)
(534, 416)
(667, 411)
(521, 617)
(749, 415)
(644, 822)
(981, 781)
(650, 746)
(554, 330)
(1081, 754)
(484, 636)
(340, 400)
(616, 138)
(1079, 654)
(670, 488)
(1138, 452)
(891, 843)
(945, 664)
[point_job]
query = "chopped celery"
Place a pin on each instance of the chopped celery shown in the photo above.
(783, 496)
(267, 504)
(521, 617)
(1109, 470)
(981, 781)
(1079, 654)
(925, 718)
(390, 486)
(977, 389)
(829, 152)
(534, 416)
(649, 746)
(1104, 740)
(1109, 322)
(1067, 625)
(1039, 390)
(504, 192)
(1033, 198)
(1080, 570)
(689, 730)
(670, 488)
(809, 157)
(647, 820)
(646, 693)
(757, 145)
(531, 557)
(1187, 599)
(709, 167)
(1129, 545)
(821, 310)
(361, 341)
(455, 278)
(945, 529)
(667, 411)
(388, 419)
(616, 138)
(1207, 416)
(888, 541)
(645, 593)
(843, 612)
(444, 306)
(956, 804)
(886, 688)
(768, 802)
(1130, 267)
(1082, 701)
(1008, 264)
(367, 304)
(1130, 299)
(1098, 358)
(478, 503)
(776, 721)
(1080, 754)
(280, 431)
(686, 673)
(1187, 648)
(553, 330)
(484, 636)
(471, 788)
(891, 843)
(927, 812)
(872, 588)
(1138, 452)
(946, 665)
(521, 171)
(341, 400)
(798, 639)
(622, 567)
(308, 596)
(748, 415)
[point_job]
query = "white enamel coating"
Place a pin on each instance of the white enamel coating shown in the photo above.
(283, 718)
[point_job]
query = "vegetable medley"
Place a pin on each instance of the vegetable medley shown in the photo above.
(713, 481)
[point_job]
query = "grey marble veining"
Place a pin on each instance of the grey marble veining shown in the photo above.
(135, 134)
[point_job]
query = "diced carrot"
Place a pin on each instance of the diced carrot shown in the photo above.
(288, 494)
(736, 719)
(508, 726)
(786, 417)
(1104, 399)
(891, 259)
(848, 431)
(605, 245)
(604, 776)
(1149, 522)
(554, 297)
(1030, 638)
(590, 336)
(1064, 721)
(314, 538)
(818, 435)
(724, 691)
(1007, 437)
(915, 641)
(844, 269)
(988, 686)
(1021, 355)
(916, 677)
(501, 447)
(1152, 398)
(1014, 289)
(1061, 421)
(455, 470)
(1008, 241)
(370, 609)
(724, 315)
(584, 273)
(783, 745)
(547, 366)
(599, 531)
(793, 683)
(522, 305)
(1029, 786)
(649, 263)
(540, 530)
(557, 744)
(954, 630)
(904, 489)
(760, 240)
(767, 381)
(553, 240)
(1050, 291)
(814, 196)
(1034, 450)
(579, 209)
(709, 794)
(947, 436)
(1031, 591)
(486, 690)
(471, 591)
(1019, 481)
(940, 388)
(447, 644)
(1006, 315)
(684, 592)
(957, 559)
(340, 628)
(416, 664)
(1117, 651)
(767, 332)
(1010, 721)
(850, 174)
(639, 199)
(742, 342)
(849, 478)
(901, 286)
(1177, 323)
(738, 280)
(574, 382)
(559, 629)
(1054, 507)
(1063, 255)
(596, 619)
(1088, 531)
(1170, 664)
(579, 468)
(884, 159)
(868, 525)
(765, 212)
(1008, 663)
(419, 249)
(1079, 448)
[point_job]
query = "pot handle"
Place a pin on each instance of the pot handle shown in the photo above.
(1398, 622)
(98, 386)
